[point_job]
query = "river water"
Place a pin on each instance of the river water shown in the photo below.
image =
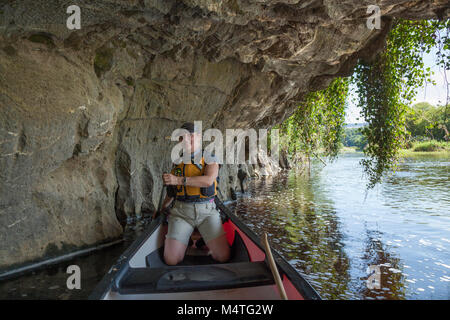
(330, 229)
(327, 226)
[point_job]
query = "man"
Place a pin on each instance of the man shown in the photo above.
(194, 187)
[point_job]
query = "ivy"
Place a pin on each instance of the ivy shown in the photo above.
(385, 87)
(317, 124)
(388, 84)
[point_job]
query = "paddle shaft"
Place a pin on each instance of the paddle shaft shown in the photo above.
(273, 268)
(160, 202)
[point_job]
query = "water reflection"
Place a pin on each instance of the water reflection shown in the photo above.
(329, 229)
(307, 236)
(50, 283)
(392, 280)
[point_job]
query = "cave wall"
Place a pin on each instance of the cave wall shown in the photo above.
(84, 114)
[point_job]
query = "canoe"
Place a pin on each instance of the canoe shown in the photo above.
(140, 272)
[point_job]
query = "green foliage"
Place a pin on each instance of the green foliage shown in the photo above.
(425, 121)
(103, 60)
(430, 146)
(317, 123)
(353, 137)
(387, 85)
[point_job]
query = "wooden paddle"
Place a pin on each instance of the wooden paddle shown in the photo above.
(160, 203)
(273, 268)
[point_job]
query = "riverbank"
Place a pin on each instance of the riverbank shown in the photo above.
(349, 150)
(411, 153)
(431, 148)
(427, 148)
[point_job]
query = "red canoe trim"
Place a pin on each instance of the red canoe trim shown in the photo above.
(256, 254)
(229, 228)
(291, 292)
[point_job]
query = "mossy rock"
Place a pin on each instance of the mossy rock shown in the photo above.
(119, 43)
(73, 41)
(130, 81)
(42, 37)
(10, 51)
(132, 53)
(234, 7)
(103, 60)
(52, 250)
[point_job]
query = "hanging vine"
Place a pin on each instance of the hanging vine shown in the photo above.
(388, 84)
(385, 87)
(317, 124)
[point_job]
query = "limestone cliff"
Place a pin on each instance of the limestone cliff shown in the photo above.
(84, 113)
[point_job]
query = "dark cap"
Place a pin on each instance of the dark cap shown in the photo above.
(189, 126)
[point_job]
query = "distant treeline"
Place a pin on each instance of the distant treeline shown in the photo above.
(353, 137)
(424, 122)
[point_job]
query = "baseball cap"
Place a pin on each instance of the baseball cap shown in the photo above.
(189, 126)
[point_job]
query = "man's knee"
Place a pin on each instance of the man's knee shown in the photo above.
(171, 259)
(173, 252)
(222, 255)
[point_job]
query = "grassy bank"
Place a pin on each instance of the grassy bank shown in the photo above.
(410, 153)
(349, 150)
(431, 147)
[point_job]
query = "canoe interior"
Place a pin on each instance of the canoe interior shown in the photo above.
(142, 274)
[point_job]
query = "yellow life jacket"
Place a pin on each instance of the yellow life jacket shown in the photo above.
(190, 193)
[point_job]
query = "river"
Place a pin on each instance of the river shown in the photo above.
(328, 227)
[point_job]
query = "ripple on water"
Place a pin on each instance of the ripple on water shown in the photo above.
(328, 229)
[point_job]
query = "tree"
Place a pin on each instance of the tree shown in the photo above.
(425, 121)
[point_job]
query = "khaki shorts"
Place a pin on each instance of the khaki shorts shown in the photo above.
(185, 216)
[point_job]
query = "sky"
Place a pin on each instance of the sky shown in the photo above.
(435, 95)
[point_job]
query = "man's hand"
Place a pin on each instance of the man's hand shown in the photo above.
(171, 180)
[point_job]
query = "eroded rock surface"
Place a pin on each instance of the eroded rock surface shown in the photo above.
(84, 114)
